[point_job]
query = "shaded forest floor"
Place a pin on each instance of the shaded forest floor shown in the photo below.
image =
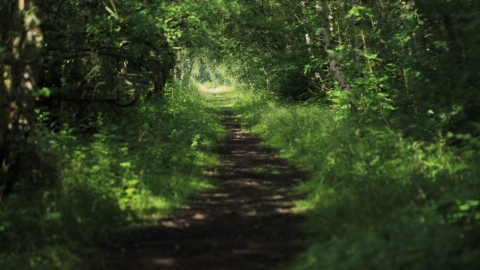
(248, 223)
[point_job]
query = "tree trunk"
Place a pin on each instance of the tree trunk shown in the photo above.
(329, 44)
(308, 40)
(307, 33)
(358, 45)
(20, 65)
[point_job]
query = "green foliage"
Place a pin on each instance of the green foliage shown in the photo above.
(392, 160)
(401, 60)
(393, 163)
(375, 199)
(117, 51)
(132, 169)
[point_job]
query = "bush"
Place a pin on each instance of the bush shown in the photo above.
(376, 199)
(132, 169)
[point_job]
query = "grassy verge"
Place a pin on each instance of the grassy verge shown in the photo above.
(376, 200)
(131, 170)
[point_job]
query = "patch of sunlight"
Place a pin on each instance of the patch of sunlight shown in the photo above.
(221, 195)
(154, 207)
(305, 205)
(218, 97)
(201, 184)
(164, 262)
(206, 159)
(214, 90)
(260, 170)
(275, 172)
(253, 212)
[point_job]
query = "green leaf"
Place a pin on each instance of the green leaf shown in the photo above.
(130, 191)
(125, 164)
(95, 168)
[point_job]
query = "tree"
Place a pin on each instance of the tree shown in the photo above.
(20, 59)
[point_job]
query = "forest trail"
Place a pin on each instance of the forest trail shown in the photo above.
(246, 224)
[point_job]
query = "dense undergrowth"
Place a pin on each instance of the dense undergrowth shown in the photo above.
(375, 198)
(111, 175)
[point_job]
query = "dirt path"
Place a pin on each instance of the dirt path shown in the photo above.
(248, 224)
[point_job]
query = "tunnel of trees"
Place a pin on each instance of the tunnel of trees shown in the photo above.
(88, 85)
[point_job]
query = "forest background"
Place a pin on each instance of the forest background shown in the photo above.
(101, 126)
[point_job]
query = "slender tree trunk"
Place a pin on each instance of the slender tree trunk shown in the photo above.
(307, 34)
(308, 39)
(20, 65)
(329, 44)
(357, 40)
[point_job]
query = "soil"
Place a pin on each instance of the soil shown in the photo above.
(249, 223)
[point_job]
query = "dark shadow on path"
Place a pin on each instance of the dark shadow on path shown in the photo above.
(247, 224)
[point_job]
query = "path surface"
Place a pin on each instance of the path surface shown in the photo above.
(248, 224)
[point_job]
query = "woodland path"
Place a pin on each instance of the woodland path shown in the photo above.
(247, 224)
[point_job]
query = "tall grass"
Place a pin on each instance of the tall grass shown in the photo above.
(375, 199)
(134, 168)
